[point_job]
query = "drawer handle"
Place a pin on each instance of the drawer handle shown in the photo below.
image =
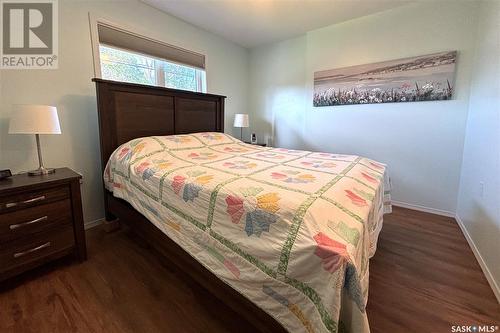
(38, 248)
(13, 204)
(19, 225)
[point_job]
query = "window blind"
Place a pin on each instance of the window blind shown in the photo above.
(133, 42)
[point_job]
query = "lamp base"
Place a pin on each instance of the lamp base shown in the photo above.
(41, 171)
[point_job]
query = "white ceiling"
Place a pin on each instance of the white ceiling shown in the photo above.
(254, 22)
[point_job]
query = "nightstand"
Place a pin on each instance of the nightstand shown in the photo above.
(40, 220)
(257, 144)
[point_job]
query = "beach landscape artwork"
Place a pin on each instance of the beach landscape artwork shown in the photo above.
(423, 78)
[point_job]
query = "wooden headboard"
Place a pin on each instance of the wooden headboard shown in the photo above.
(128, 111)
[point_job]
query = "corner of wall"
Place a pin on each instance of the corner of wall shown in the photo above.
(473, 224)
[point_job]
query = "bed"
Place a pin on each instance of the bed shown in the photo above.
(282, 236)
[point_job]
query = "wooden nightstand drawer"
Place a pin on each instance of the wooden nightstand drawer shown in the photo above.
(30, 199)
(41, 220)
(32, 249)
(34, 219)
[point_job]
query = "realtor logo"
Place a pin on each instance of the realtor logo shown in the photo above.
(29, 34)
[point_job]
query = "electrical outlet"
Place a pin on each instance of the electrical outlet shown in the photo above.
(481, 189)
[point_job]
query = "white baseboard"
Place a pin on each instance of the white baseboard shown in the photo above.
(493, 284)
(422, 208)
(93, 224)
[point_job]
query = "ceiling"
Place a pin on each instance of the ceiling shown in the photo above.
(255, 22)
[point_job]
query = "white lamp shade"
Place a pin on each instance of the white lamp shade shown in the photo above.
(241, 120)
(34, 119)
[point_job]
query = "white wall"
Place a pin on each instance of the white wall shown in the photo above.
(479, 210)
(421, 142)
(70, 88)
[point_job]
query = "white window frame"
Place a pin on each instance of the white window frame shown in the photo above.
(160, 77)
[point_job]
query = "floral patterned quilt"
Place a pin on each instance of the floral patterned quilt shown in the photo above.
(291, 230)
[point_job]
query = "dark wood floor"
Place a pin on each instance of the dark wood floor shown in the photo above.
(424, 278)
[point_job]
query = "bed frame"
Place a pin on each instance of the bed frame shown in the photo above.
(128, 111)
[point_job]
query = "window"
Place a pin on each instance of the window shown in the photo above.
(123, 65)
(123, 55)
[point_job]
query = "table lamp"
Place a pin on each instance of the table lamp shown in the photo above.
(35, 119)
(241, 120)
